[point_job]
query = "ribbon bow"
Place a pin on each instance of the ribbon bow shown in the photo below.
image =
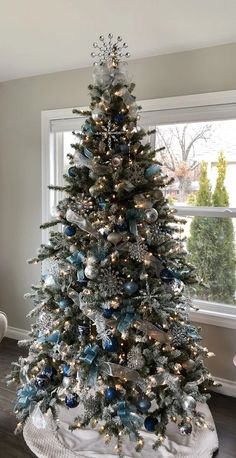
(128, 418)
(89, 356)
(77, 259)
(25, 395)
(127, 316)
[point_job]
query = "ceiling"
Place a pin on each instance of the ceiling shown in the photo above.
(44, 36)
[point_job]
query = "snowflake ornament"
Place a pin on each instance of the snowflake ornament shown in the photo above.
(135, 173)
(109, 283)
(135, 358)
(138, 250)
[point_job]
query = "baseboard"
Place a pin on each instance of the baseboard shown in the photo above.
(17, 333)
(228, 387)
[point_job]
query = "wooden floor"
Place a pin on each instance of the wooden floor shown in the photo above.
(223, 409)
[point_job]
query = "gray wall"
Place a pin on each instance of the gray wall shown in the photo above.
(21, 102)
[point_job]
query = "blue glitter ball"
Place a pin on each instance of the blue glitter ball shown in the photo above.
(107, 313)
(130, 287)
(110, 393)
(70, 231)
(119, 118)
(71, 400)
(42, 381)
(150, 424)
(63, 303)
(143, 404)
(111, 344)
(72, 171)
(152, 170)
(67, 370)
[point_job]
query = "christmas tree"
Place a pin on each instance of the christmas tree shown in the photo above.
(112, 333)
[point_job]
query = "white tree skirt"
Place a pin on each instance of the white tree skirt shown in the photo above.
(45, 442)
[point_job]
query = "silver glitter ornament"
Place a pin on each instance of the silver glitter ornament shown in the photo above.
(135, 358)
(151, 215)
(114, 238)
(66, 382)
(188, 403)
(91, 272)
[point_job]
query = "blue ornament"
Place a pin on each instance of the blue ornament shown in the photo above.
(122, 226)
(150, 424)
(42, 381)
(143, 404)
(111, 344)
(107, 313)
(119, 118)
(63, 303)
(152, 170)
(130, 287)
(110, 393)
(122, 148)
(67, 370)
(72, 171)
(54, 337)
(167, 275)
(70, 231)
(71, 400)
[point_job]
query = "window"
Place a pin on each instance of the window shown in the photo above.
(199, 134)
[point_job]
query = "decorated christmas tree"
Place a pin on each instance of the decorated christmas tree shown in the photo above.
(111, 334)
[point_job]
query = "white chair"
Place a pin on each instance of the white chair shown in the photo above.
(3, 325)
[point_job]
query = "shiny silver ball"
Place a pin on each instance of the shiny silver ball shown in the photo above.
(91, 272)
(127, 54)
(110, 36)
(91, 260)
(125, 45)
(73, 248)
(93, 54)
(188, 403)
(119, 38)
(151, 215)
(114, 237)
(117, 161)
(66, 382)
(101, 38)
(95, 45)
(188, 365)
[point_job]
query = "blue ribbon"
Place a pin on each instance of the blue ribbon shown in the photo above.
(128, 418)
(51, 338)
(77, 259)
(89, 356)
(25, 395)
(127, 316)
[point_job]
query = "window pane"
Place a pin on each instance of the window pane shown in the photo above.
(210, 243)
(187, 146)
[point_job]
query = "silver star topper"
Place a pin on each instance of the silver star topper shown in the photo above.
(109, 51)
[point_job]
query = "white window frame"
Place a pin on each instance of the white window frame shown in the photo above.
(188, 108)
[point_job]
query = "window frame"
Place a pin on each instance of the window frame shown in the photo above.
(186, 108)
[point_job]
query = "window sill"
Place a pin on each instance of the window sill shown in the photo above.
(215, 314)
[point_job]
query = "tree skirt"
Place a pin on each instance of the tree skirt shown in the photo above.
(42, 438)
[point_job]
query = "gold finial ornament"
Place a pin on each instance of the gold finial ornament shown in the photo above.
(110, 50)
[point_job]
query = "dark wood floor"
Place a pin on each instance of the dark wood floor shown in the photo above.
(223, 409)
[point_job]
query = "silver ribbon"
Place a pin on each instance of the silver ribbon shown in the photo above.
(115, 370)
(81, 222)
(152, 331)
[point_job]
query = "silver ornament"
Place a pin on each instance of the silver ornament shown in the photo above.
(151, 215)
(73, 248)
(91, 272)
(93, 190)
(66, 382)
(91, 260)
(188, 365)
(188, 403)
(117, 161)
(114, 237)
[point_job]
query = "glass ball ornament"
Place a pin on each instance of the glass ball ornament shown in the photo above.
(188, 403)
(91, 272)
(64, 302)
(107, 313)
(110, 394)
(71, 400)
(42, 381)
(150, 424)
(114, 238)
(143, 405)
(185, 428)
(130, 287)
(72, 171)
(111, 344)
(151, 215)
(70, 231)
